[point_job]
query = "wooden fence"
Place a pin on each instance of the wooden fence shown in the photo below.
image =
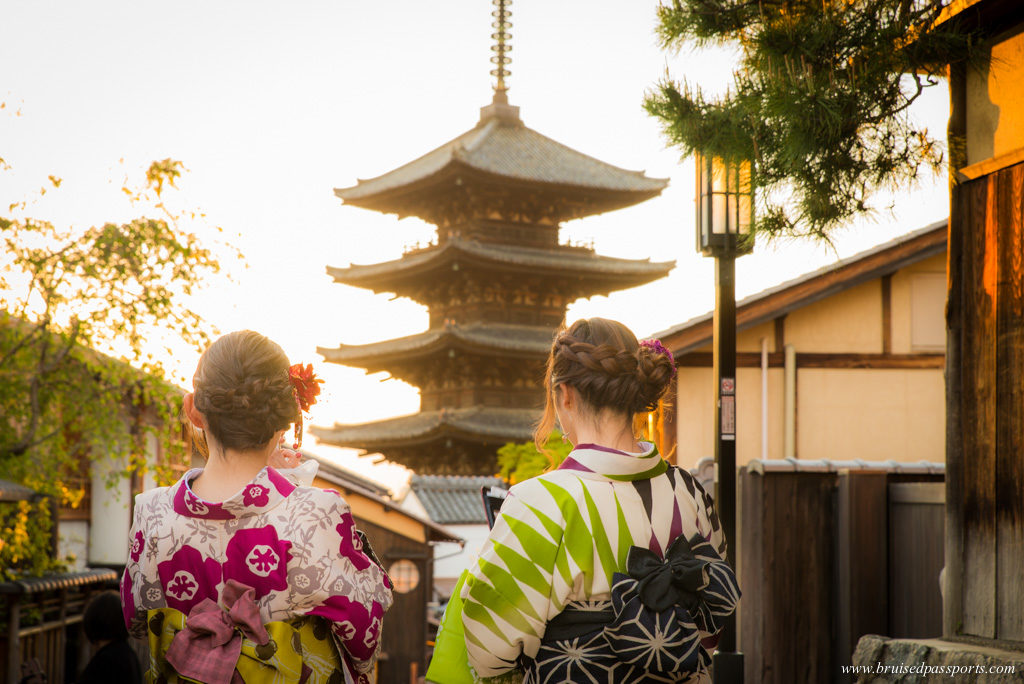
(828, 556)
(40, 620)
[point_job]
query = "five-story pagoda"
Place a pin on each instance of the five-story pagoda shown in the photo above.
(496, 281)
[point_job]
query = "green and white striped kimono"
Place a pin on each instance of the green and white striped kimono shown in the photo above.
(558, 542)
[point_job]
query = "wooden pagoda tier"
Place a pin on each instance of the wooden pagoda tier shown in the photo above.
(444, 442)
(467, 279)
(496, 281)
(479, 364)
(502, 169)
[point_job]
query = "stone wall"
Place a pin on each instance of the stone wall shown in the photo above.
(925, 660)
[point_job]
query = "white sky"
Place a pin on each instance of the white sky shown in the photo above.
(271, 105)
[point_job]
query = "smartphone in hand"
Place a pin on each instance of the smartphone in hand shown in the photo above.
(492, 497)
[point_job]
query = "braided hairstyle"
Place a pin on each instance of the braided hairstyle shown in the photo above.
(602, 360)
(243, 390)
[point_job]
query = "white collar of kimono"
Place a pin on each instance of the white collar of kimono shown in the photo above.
(266, 490)
(615, 464)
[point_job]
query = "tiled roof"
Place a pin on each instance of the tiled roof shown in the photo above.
(453, 499)
(513, 151)
(564, 261)
(349, 482)
(480, 423)
(64, 580)
(12, 491)
(487, 338)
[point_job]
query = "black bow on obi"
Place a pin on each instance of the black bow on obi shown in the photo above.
(664, 607)
(678, 578)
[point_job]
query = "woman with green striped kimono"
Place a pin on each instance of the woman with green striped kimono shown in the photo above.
(608, 568)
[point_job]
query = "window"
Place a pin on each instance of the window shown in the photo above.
(405, 575)
(927, 312)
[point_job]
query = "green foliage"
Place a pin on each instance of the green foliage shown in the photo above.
(25, 540)
(86, 315)
(819, 102)
(518, 462)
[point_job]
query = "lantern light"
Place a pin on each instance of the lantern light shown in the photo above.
(725, 207)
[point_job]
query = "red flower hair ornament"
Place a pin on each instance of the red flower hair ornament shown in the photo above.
(306, 388)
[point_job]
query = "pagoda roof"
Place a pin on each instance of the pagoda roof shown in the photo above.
(501, 150)
(479, 423)
(613, 273)
(485, 338)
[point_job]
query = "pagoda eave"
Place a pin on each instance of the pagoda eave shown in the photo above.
(594, 273)
(563, 201)
(486, 340)
(481, 425)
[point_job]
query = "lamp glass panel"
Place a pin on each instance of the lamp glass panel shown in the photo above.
(732, 206)
(745, 213)
(718, 213)
(705, 215)
(719, 178)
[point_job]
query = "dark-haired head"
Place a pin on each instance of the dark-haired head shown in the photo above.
(103, 619)
(610, 370)
(243, 391)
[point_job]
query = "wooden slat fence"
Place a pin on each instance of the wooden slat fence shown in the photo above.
(41, 620)
(826, 557)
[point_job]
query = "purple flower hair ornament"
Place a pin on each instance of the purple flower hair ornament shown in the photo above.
(657, 347)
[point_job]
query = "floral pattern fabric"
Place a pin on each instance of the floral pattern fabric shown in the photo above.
(296, 546)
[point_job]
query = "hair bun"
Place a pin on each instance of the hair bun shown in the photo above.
(602, 360)
(243, 389)
(655, 369)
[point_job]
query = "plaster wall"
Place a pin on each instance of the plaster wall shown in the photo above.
(110, 514)
(995, 101)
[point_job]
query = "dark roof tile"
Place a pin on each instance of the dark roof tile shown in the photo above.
(453, 499)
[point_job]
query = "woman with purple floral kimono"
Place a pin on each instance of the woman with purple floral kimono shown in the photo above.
(235, 572)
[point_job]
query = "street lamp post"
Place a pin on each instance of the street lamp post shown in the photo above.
(725, 211)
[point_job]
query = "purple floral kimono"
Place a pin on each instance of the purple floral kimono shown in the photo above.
(296, 546)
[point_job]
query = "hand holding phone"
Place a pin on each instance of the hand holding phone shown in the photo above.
(492, 497)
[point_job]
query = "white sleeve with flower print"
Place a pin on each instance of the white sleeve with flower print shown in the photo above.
(348, 588)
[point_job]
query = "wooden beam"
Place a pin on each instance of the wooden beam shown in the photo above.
(952, 605)
(887, 313)
(1009, 315)
(743, 360)
(978, 410)
(823, 360)
(780, 333)
(989, 166)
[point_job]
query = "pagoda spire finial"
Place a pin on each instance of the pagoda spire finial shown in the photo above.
(502, 47)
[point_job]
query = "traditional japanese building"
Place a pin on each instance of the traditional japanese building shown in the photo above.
(496, 280)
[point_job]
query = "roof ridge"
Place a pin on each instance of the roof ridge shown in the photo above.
(810, 275)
